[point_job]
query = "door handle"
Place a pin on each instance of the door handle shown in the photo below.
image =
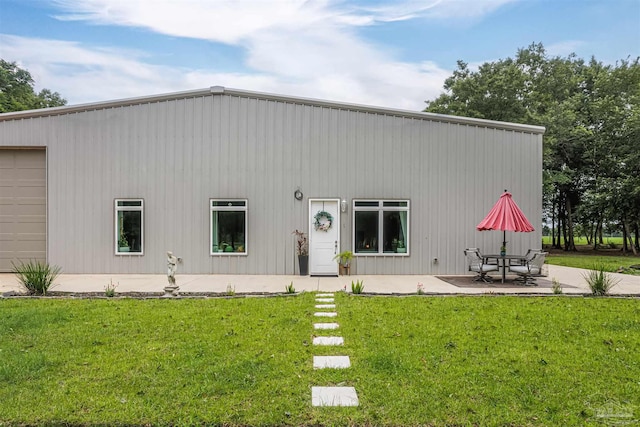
(335, 248)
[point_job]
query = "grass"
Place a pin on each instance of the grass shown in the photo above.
(357, 287)
(611, 264)
(290, 289)
(110, 289)
(610, 260)
(36, 276)
(248, 361)
(582, 241)
(599, 281)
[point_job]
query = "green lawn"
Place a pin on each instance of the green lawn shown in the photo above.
(611, 260)
(248, 361)
(609, 263)
(580, 240)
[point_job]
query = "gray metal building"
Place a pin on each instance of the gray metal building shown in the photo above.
(222, 177)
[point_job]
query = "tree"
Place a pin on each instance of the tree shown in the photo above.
(616, 117)
(592, 120)
(531, 88)
(17, 93)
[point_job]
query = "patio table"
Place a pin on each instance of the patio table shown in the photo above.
(502, 261)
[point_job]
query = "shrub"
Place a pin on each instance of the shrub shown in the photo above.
(600, 282)
(36, 276)
(110, 289)
(231, 290)
(357, 287)
(290, 289)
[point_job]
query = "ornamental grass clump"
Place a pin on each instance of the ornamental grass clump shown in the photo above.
(110, 289)
(290, 289)
(600, 282)
(36, 276)
(231, 290)
(357, 287)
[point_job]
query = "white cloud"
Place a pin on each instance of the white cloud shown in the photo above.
(435, 9)
(88, 74)
(83, 74)
(298, 47)
(230, 21)
(563, 48)
(226, 21)
(464, 9)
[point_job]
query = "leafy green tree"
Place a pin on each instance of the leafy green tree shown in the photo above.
(615, 111)
(17, 93)
(590, 112)
(530, 88)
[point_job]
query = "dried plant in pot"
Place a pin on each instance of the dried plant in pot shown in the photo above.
(302, 250)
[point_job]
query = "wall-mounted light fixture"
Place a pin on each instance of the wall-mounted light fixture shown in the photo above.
(298, 194)
(343, 205)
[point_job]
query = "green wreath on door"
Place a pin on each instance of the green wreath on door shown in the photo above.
(322, 221)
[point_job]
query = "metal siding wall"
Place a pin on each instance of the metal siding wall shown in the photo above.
(178, 154)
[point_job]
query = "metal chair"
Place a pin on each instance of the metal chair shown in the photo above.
(477, 264)
(484, 259)
(527, 257)
(530, 269)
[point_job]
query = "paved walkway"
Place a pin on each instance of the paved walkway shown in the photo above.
(330, 395)
(571, 278)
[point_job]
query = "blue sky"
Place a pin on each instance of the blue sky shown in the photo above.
(389, 53)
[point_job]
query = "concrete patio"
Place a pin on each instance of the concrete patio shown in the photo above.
(571, 280)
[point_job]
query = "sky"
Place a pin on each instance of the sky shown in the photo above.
(393, 54)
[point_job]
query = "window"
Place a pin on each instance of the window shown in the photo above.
(129, 226)
(228, 227)
(381, 227)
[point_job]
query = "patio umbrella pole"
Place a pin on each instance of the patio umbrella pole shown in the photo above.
(504, 240)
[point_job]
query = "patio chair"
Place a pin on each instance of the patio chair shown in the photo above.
(493, 261)
(527, 257)
(477, 264)
(530, 269)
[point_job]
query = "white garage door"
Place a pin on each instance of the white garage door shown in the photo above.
(22, 206)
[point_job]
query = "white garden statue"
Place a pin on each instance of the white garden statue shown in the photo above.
(172, 266)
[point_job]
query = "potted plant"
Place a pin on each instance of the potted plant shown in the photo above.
(344, 261)
(401, 249)
(302, 250)
(123, 243)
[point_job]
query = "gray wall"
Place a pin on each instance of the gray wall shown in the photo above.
(177, 154)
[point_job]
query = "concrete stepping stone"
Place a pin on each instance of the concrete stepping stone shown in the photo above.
(325, 306)
(334, 396)
(328, 341)
(325, 326)
(325, 300)
(324, 295)
(331, 362)
(325, 314)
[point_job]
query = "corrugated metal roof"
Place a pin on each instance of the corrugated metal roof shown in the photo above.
(219, 90)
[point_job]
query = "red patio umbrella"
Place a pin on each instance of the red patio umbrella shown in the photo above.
(506, 216)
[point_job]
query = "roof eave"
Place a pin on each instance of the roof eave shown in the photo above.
(220, 90)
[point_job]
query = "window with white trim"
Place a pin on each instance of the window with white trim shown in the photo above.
(381, 227)
(129, 226)
(228, 227)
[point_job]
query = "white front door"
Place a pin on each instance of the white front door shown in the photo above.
(324, 236)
